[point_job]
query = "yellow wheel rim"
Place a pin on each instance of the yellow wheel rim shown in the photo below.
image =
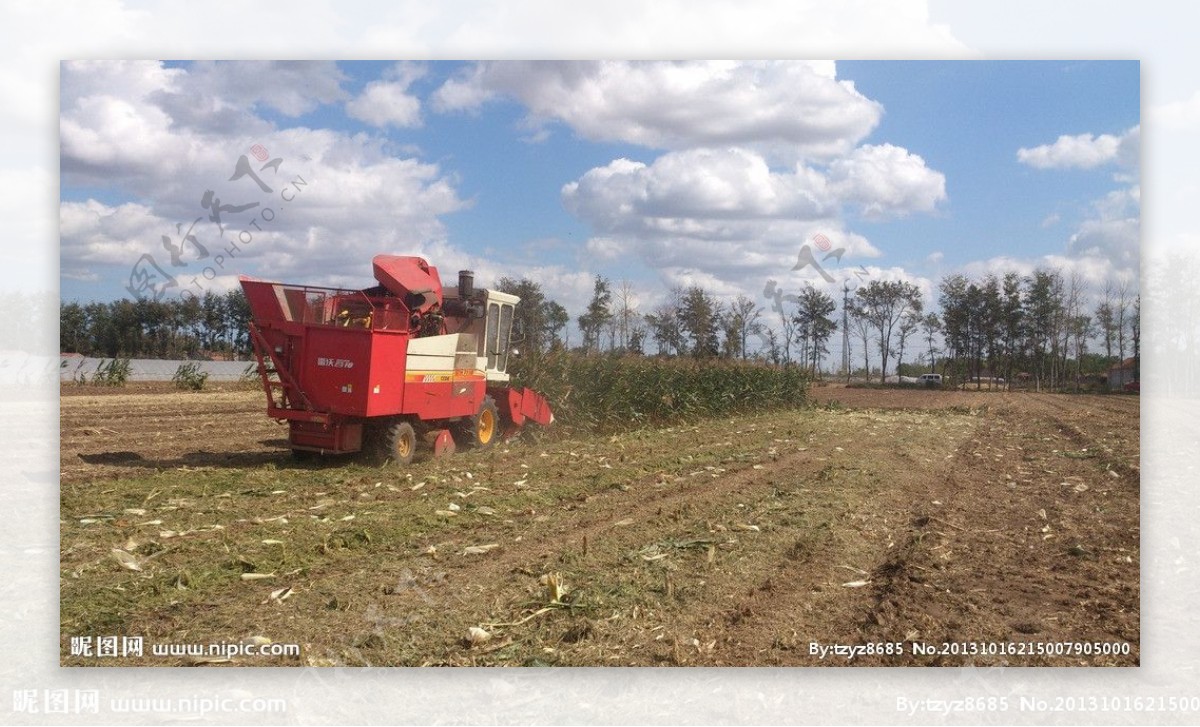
(404, 447)
(487, 426)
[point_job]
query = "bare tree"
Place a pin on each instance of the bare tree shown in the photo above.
(1122, 315)
(626, 313)
(908, 325)
(931, 325)
(885, 303)
(743, 321)
(861, 326)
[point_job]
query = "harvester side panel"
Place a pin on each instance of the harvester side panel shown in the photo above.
(334, 369)
(440, 381)
(274, 351)
(434, 400)
(383, 391)
(535, 407)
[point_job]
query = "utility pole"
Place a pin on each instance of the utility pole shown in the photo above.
(846, 329)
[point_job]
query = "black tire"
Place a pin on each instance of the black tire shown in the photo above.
(480, 431)
(394, 441)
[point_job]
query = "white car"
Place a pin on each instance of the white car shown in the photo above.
(931, 379)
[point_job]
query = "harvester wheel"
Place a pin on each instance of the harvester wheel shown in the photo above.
(394, 441)
(480, 431)
(401, 442)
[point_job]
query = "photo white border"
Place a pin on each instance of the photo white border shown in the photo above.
(34, 43)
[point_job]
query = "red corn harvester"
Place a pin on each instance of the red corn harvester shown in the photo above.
(386, 368)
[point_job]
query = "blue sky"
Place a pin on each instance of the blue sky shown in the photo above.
(967, 119)
(660, 174)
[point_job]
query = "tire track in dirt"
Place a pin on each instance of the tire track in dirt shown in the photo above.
(808, 606)
(606, 528)
(747, 572)
(129, 434)
(965, 572)
(1087, 431)
(1042, 584)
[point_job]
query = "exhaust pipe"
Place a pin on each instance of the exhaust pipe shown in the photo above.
(466, 284)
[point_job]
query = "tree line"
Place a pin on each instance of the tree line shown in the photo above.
(172, 328)
(1041, 326)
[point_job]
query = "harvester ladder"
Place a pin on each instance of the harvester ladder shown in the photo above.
(283, 384)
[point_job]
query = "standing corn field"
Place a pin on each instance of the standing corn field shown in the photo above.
(611, 393)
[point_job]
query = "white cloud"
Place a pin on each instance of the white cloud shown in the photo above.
(1108, 241)
(120, 131)
(700, 191)
(1085, 151)
(784, 109)
(999, 266)
(887, 181)
(724, 216)
(735, 264)
(81, 274)
(93, 232)
(725, 193)
(1112, 240)
(121, 128)
(1114, 233)
(1104, 247)
(291, 87)
(388, 102)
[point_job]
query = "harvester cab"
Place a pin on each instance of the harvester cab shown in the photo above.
(391, 366)
(491, 322)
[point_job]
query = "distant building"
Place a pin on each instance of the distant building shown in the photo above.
(1121, 374)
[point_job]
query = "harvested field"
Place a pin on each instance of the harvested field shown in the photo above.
(873, 517)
